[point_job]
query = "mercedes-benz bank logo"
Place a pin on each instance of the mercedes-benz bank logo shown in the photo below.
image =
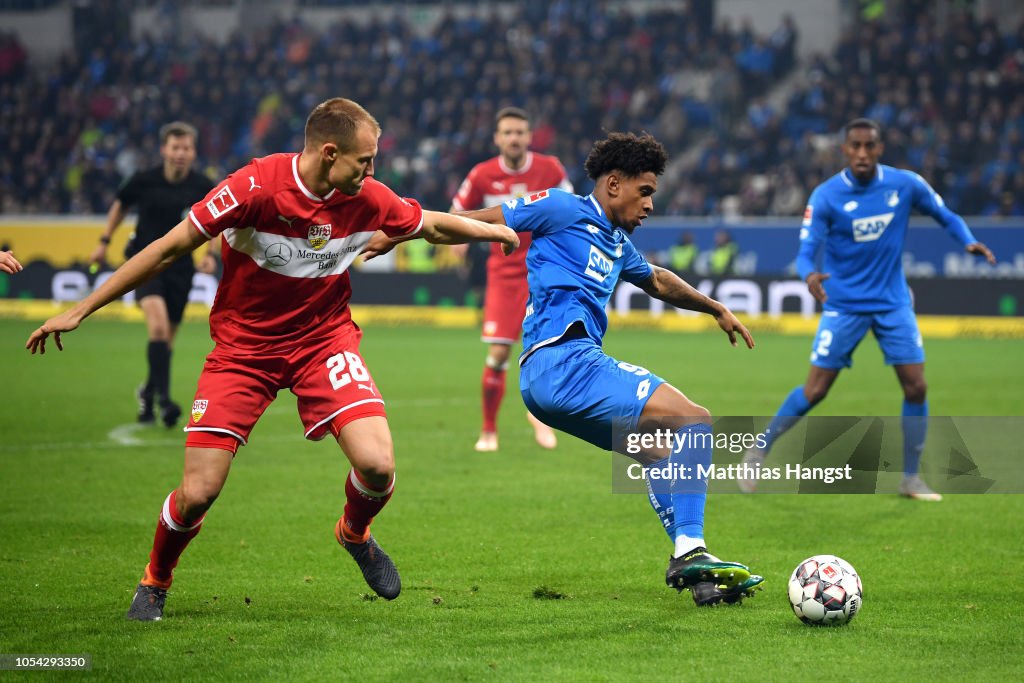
(278, 254)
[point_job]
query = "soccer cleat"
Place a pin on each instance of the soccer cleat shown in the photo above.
(145, 399)
(700, 566)
(170, 412)
(487, 443)
(744, 589)
(379, 571)
(915, 488)
(754, 458)
(544, 435)
(707, 594)
(148, 603)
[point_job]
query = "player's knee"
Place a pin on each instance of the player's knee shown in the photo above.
(378, 472)
(376, 463)
(497, 356)
(816, 392)
(700, 413)
(915, 390)
(195, 496)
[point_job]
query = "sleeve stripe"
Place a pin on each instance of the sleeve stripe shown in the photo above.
(419, 226)
(457, 205)
(198, 225)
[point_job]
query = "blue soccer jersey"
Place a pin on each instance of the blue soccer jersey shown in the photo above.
(575, 260)
(862, 227)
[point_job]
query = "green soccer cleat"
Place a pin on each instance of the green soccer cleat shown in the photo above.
(700, 566)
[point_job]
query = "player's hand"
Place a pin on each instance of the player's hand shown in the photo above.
(65, 322)
(378, 245)
(981, 250)
(509, 241)
(815, 287)
(98, 256)
(208, 264)
(9, 264)
(731, 325)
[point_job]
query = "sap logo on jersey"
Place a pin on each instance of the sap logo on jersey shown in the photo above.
(871, 228)
(599, 264)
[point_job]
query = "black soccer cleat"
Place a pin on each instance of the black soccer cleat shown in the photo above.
(707, 594)
(170, 413)
(145, 399)
(700, 566)
(379, 571)
(148, 604)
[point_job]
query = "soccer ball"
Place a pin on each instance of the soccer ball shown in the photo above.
(825, 590)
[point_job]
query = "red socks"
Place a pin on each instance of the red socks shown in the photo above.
(172, 536)
(362, 503)
(493, 392)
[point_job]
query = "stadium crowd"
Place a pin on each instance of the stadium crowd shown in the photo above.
(952, 101)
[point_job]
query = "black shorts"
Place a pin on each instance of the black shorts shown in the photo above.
(173, 288)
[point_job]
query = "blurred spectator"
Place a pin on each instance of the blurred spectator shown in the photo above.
(723, 256)
(682, 256)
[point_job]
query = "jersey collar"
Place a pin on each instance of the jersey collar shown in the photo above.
(305, 190)
(853, 183)
(527, 162)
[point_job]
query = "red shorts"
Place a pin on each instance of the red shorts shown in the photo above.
(329, 378)
(504, 309)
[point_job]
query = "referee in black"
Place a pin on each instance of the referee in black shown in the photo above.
(163, 196)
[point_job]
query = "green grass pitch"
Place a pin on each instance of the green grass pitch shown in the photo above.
(264, 593)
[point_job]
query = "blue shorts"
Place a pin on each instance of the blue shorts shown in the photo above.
(839, 333)
(576, 388)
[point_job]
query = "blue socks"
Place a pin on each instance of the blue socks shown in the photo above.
(661, 500)
(792, 409)
(915, 428)
(680, 506)
(689, 494)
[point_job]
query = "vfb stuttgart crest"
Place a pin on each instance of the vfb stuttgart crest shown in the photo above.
(198, 409)
(319, 235)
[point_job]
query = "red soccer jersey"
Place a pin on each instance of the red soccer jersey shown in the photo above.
(491, 182)
(286, 251)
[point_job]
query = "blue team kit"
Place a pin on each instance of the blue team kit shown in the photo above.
(576, 258)
(862, 227)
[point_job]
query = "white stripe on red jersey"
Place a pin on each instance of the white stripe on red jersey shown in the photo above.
(286, 251)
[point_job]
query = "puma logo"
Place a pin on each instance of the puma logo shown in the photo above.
(367, 387)
(289, 221)
(252, 184)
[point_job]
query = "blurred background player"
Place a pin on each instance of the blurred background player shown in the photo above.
(515, 172)
(162, 195)
(860, 216)
(580, 250)
(281, 320)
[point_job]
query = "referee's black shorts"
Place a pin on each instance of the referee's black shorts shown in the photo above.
(173, 287)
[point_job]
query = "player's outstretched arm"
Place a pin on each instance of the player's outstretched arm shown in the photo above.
(672, 289)
(154, 259)
(9, 264)
(446, 228)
